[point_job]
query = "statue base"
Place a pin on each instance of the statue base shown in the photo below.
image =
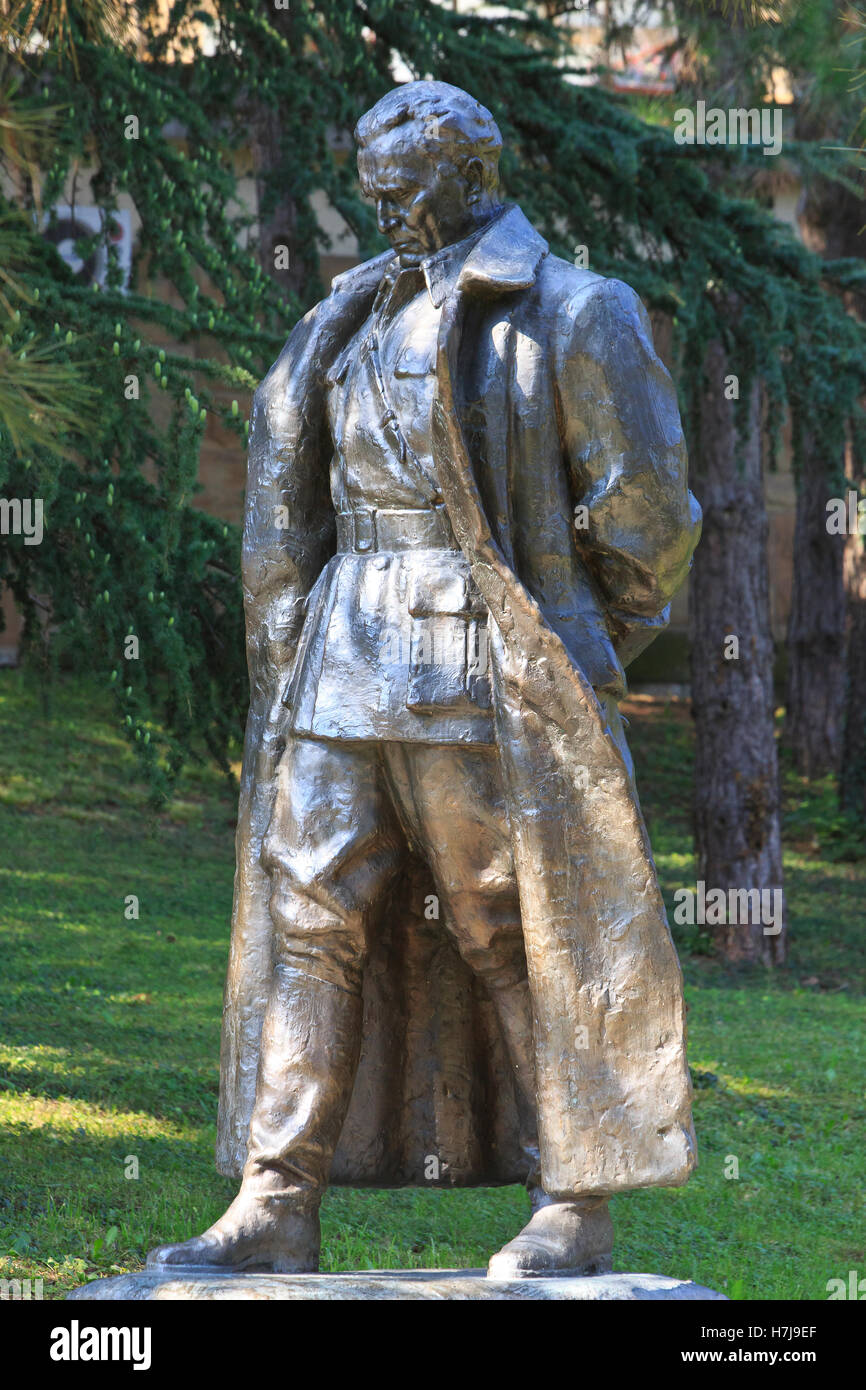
(459, 1284)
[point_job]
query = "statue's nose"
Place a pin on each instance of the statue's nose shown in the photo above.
(387, 217)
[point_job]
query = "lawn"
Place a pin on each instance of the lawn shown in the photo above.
(109, 1039)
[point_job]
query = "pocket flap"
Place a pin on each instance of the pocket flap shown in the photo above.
(415, 361)
(438, 588)
(444, 586)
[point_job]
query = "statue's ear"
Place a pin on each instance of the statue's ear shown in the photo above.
(473, 175)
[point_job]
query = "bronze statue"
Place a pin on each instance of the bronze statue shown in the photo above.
(467, 511)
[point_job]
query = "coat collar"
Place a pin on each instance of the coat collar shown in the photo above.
(440, 271)
(503, 256)
(506, 257)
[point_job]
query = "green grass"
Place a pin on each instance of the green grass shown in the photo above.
(109, 1041)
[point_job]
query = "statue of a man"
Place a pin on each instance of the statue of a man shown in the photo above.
(467, 511)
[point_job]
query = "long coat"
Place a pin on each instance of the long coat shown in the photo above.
(560, 455)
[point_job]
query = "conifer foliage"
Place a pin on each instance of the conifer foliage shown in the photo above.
(104, 393)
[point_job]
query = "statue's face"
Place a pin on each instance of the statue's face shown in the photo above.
(422, 202)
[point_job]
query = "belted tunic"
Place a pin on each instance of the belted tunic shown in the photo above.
(394, 644)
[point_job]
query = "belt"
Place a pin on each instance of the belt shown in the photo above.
(372, 528)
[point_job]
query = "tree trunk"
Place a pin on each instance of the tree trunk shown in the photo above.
(279, 253)
(852, 782)
(830, 218)
(815, 697)
(277, 206)
(737, 827)
(831, 221)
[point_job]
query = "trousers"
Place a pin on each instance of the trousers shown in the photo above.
(345, 816)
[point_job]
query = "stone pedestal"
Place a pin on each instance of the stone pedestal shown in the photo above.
(460, 1284)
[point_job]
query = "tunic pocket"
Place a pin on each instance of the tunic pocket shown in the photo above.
(448, 664)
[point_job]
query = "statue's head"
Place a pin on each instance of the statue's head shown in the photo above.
(428, 156)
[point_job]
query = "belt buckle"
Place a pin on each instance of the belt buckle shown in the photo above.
(365, 530)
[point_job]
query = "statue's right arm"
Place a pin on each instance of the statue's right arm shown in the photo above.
(289, 521)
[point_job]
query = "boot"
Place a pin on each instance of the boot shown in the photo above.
(310, 1046)
(263, 1232)
(573, 1237)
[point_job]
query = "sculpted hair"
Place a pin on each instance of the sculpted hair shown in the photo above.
(451, 123)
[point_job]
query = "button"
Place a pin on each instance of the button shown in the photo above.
(364, 532)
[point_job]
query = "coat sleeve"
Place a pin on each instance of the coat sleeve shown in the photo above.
(289, 534)
(288, 525)
(636, 522)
